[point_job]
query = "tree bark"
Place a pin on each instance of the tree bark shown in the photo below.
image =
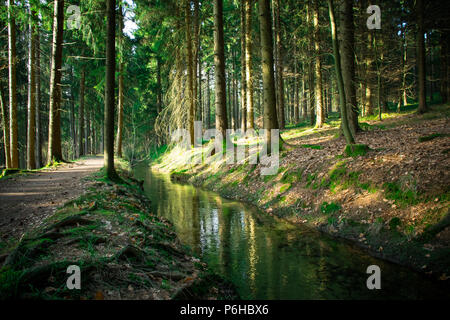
(39, 160)
(109, 90)
(270, 112)
(421, 57)
(243, 69)
(248, 64)
(219, 62)
(54, 134)
(279, 65)
(5, 125)
(337, 59)
(190, 69)
(81, 129)
(444, 61)
(348, 64)
(318, 90)
(12, 59)
(31, 132)
(120, 97)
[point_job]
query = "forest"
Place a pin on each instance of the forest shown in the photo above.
(348, 99)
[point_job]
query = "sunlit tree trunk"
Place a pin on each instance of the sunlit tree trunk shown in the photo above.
(208, 101)
(12, 59)
(39, 160)
(54, 134)
(270, 112)
(248, 64)
(337, 60)
(279, 65)
(31, 132)
(318, 90)
(190, 69)
(243, 69)
(219, 62)
(109, 90)
(120, 97)
(195, 62)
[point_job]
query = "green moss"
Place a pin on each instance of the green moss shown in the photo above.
(311, 146)
(285, 187)
(328, 208)
(395, 192)
(432, 136)
(356, 150)
(394, 223)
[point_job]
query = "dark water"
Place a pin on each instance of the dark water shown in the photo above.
(270, 259)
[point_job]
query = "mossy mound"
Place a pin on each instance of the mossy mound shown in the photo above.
(356, 150)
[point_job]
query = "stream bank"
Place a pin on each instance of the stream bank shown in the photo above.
(123, 251)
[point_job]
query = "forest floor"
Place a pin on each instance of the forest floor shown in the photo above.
(27, 199)
(105, 228)
(393, 199)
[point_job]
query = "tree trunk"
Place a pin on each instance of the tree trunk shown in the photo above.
(369, 74)
(243, 69)
(73, 130)
(54, 134)
(279, 65)
(248, 64)
(39, 160)
(270, 112)
(120, 98)
(337, 60)
(81, 138)
(5, 125)
(348, 64)
(318, 90)
(296, 104)
(12, 59)
(31, 132)
(208, 101)
(195, 62)
(190, 69)
(444, 60)
(219, 62)
(421, 57)
(109, 90)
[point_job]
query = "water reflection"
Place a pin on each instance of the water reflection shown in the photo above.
(268, 259)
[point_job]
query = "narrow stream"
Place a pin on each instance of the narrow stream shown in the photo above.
(270, 259)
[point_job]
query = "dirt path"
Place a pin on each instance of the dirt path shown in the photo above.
(27, 200)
